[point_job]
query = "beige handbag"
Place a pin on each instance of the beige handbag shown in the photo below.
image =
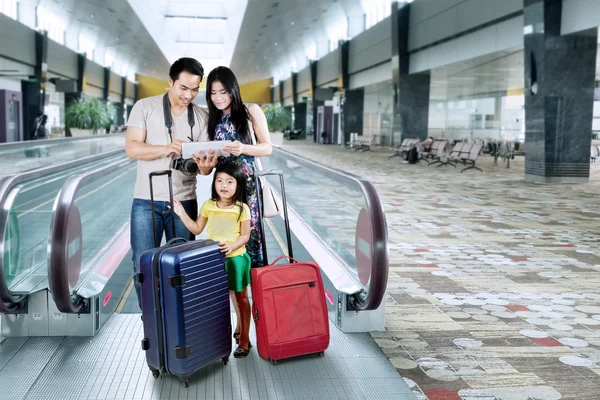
(271, 206)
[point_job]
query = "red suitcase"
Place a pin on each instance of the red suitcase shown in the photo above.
(288, 302)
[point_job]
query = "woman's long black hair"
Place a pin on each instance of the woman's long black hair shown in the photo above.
(239, 112)
(237, 173)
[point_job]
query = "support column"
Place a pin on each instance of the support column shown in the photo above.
(315, 103)
(34, 90)
(294, 88)
(281, 83)
(559, 96)
(411, 91)
(121, 106)
(352, 101)
(106, 89)
(136, 92)
(272, 90)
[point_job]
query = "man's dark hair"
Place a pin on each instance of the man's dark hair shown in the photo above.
(187, 64)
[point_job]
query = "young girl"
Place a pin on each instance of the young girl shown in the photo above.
(227, 219)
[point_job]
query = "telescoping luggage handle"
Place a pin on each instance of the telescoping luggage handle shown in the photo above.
(174, 238)
(286, 220)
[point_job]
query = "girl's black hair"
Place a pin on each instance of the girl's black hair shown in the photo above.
(239, 112)
(234, 170)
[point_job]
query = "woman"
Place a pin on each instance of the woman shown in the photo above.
(230, 119)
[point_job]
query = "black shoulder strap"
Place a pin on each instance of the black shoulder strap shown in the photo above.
(169, 120)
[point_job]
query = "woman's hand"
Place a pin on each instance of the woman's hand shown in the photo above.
(206, 162)
(235, 148)
(178, 207)
(225, 248)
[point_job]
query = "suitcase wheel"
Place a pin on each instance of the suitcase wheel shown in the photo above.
(186, 382)
(155, 373)
(225, 360)
(273, 362)
(322, 354)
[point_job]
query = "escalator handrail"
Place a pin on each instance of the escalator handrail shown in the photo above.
(380, 255)
(58, 274)
(29, 144)
(8, 302)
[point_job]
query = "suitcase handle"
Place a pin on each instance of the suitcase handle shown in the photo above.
(286, 220)
(151, 175)
(175, 240)
(282, 258)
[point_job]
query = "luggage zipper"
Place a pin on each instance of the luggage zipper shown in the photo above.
(159, 316)
(310, 284)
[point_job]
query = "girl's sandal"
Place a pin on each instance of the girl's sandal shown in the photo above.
(236, 336)
(241, 353)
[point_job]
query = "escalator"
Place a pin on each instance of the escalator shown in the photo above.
(336, 220)
(27, 200)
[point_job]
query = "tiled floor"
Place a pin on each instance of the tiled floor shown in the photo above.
(493, 285)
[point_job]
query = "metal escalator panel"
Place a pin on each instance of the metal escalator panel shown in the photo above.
(25, 217)
(24, 156)
(89, 227)
(345, 213)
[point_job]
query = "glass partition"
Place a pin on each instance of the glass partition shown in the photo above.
(28, 211)
(90, 217)
(343, 211)
(24, 156)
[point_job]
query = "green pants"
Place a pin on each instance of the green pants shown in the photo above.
(238, 271)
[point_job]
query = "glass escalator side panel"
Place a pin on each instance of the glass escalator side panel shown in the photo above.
(97, 223)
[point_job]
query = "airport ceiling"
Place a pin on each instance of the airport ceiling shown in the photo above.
(257, 38)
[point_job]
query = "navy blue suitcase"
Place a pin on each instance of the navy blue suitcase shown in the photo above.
(185, 305)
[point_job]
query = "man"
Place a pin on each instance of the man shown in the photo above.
(149, 140)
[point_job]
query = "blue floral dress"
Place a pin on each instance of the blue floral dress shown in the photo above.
(226, 131)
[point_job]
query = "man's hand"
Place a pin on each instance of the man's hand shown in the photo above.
(224, 247)
(173, 148)
(236, 148)
(206, 162)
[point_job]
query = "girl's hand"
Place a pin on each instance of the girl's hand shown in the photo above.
(178, 207)
(224, 247)
(235, 148)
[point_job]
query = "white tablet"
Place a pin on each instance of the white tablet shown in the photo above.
(189, 148)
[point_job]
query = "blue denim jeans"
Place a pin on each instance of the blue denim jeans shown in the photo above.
(141, 228)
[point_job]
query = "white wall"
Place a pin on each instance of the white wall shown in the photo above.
(287, 88)
(94, 73)
(328, 69)
(115, 83)
(504, 36)
(434, 20)
(17, 41)
(304, 79)
(380, 73)
(371, 47)
(61, 60)
(578, 15)
(10, 84)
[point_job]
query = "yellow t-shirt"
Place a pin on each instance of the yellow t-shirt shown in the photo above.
(225, 224)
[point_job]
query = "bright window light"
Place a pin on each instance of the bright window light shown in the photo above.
(9, 8)
(311, 51)
(109, 58)
(48, 21)
(87, 45)
(337, 32)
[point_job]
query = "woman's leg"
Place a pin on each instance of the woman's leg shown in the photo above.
(244, 306)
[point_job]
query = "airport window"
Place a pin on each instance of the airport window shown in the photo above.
(48, 21)
(9, 8)
(86, 45)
